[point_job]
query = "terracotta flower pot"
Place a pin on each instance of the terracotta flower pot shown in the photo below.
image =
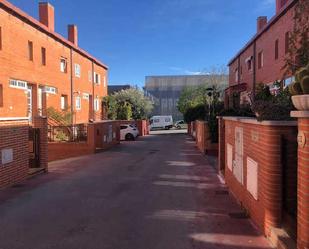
(301, 102)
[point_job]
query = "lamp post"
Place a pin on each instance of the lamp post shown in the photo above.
(210, 94)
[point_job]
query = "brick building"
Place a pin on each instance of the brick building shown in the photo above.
(262, 59)
(41, 69)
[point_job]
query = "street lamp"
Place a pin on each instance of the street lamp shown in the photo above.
(209, 93)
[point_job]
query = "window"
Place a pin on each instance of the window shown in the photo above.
(0, 38)
(63, 65)
(64, 102)
(50, 89)
(78, 103)
(276, 49)
(1, 96)
(18, 84)
(240, 70)
(96, 104)
(249, 63)
(123, 127)
(236, 75)
(167, 120)
(156, 120)
(287, 42)
(30, 50)
(89, 76)
(43, 54)
(260, 60)
(97, 78)
(86, 96)
(104, 81)
(77, 70)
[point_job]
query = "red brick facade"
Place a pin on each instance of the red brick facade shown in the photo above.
(263, 57)
(34, 59)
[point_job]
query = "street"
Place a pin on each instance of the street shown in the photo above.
(157, 192)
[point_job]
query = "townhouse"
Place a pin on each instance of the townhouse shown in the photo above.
(262, 59)
(42, 69)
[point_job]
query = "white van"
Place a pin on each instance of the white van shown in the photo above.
(161, 122)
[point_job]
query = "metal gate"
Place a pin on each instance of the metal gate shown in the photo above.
(34, 147)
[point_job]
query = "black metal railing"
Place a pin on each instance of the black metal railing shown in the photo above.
(68, 133)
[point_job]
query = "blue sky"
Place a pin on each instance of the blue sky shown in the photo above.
(136, 38)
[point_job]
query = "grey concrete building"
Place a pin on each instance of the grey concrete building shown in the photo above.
(166, 90)
(117, 88)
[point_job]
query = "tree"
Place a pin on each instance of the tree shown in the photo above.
(298, 53)
(127, 104)
(198, 95)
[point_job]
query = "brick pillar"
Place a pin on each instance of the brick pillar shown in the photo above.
(91, 136)
(41, 123)
(221, 156)
(271, 173)
(302, 180)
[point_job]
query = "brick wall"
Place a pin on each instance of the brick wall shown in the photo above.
(14, 135)
(262, 144)
(59, 151)
(100, 136)
(106, 134)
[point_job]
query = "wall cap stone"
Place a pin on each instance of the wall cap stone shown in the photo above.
(14, 119)
(300, 114)
(249, 120)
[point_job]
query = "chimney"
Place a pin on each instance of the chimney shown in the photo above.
(280, 4)
(47, 15)
(261, 23)
(72, 34)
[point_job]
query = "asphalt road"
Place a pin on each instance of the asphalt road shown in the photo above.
(155, 193)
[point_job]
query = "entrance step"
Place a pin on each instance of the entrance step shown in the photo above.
(281, 240)
(35, 171)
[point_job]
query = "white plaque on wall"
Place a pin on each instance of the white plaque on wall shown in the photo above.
(6, 156)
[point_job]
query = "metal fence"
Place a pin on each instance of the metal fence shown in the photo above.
(68, 133)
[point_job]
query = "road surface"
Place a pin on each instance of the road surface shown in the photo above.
(155, 193)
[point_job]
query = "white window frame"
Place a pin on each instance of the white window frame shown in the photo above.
(62, 102)
(96, 104)
(77, 69)
(50, 89)
(89, 76)
(97, 78)
(18, 84)
(78, 103)
(63, 66)
(104, 81)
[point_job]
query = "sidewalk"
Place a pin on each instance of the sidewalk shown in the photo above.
(221, 221)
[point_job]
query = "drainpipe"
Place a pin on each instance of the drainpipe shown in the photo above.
(254, 70)
(71, 79)
(92, 101)
(238, 71)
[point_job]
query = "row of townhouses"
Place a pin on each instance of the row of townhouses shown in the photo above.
(262, 59)
(42, 69)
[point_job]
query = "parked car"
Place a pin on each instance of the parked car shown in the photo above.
(161, 122)
(180, 124)
(128, 132)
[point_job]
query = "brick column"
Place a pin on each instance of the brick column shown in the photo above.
(41, 123)
(303, 182)
(221, 156)
(271, 175)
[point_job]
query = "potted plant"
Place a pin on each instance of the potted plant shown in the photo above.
(300, 89)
